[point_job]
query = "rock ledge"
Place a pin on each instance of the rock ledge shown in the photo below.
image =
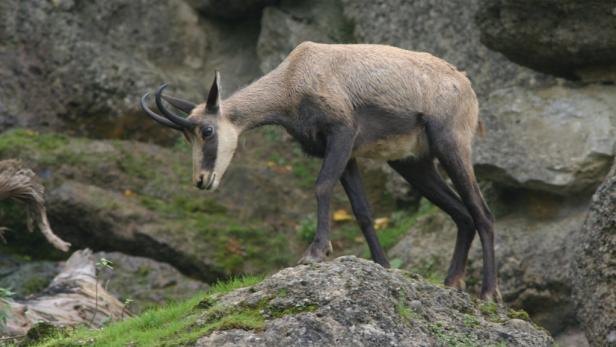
(355, 302)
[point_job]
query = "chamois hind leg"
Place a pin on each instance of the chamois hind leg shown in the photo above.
(423, 176)
(453, 150)
(351, 182)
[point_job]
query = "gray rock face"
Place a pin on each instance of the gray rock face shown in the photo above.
(355, 302)
(285, 26)
(82, 67)
(144, 281)
(557, 139)
(26, 278)
(534, 249)
(442, 27)
(557, 37)
(231, 9)
(91, 216)
(594, 267)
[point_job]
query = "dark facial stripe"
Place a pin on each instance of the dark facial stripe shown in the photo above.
(210, 151)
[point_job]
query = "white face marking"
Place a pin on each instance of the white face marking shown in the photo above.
(228, 135)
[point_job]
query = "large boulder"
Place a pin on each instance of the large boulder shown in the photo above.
(534, 249)
(594, 267)
(143, 283)
(231, 9)
(75, 67)
(285, 26)
(559, 139)
(560, 37)
(355, 302)
(442, 27)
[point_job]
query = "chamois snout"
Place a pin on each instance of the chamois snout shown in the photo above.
(205, 180)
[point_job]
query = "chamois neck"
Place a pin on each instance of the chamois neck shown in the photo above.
(260, 103)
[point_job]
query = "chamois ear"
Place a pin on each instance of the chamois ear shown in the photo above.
(213, 98)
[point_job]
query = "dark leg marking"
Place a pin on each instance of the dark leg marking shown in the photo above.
(351, 181)
(423, 176)
(455, 156)
(337, 153)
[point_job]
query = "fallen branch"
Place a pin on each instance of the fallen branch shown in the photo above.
(73, 297)
(19, 184)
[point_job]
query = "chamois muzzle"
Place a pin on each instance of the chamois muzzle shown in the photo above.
(170, 119)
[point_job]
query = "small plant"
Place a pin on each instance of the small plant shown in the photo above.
(5, 293)
(470, 320)
(518, 314)
(490, 310)
(405, 311)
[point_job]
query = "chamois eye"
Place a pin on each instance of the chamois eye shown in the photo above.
(207, 132)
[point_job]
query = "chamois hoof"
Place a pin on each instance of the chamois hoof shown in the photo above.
(456, 282)
(492, 296)
(316, 253)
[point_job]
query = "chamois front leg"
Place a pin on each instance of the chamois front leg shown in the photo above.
(337, 153)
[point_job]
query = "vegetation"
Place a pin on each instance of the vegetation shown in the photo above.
(405, 311)
(169, 325)
(151, 179)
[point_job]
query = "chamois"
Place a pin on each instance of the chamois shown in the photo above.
(344, 101)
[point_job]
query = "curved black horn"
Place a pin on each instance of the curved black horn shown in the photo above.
(181, 121)
(155, 116)
(180, 104)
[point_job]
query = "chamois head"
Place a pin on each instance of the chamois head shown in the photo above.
(214, 138)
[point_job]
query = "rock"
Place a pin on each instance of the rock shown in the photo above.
(144, 282)
(24, 277)
(594, 267)
(441, 27)
(558, 37)
(534, 249)
(74, 297)
(354, 302)
(81, 68)
(558, 139)
(285, 26)
(231, 9)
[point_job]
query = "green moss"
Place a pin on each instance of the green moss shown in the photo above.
(169, 325)
(405, 312)
(449, 338)
(34, 285)
(490, 311)
(277, 313)
(470, 321)
(518, 314)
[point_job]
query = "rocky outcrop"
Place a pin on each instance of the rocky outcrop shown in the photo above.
(441, 27)
(559, 37)
(231, 9)
(534, 248)
(594, 268)
(75, 67)
(559, 139)
(355, 302)
(137, 199)
(142, 282)
(285, 26)
(137, 281)
(74, 297)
